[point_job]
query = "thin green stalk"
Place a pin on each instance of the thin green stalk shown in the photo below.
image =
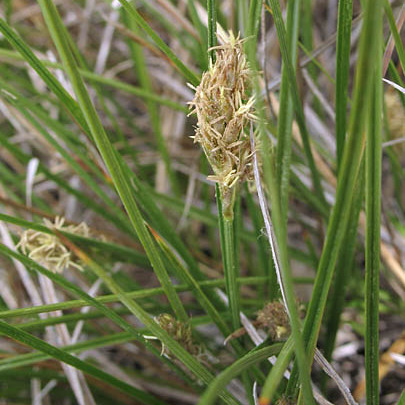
(139, 294)
(344, 29)
(278, 243)
(242, 11)
(203, 33)
(373, 229)
(212, 29)
(254, 17)
(286, 112)
(344, 268)
(282, 37)
(226, 230)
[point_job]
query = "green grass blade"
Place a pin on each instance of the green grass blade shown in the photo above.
(277, 372)
(282, 37)
(351, 161)
(242, 364)
(22, 360)
(68, 158)
(119, 177)
(212, 28)
(139, 294)
(342, 73)
(402, 398)
(286, 112)
(373, 228)
(337, 299)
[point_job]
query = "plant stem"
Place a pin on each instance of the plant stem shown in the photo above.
(226, 231)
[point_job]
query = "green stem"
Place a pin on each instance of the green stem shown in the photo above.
(212, 28)
(226, 230)
(373, 230)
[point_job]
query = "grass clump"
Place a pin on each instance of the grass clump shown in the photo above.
(180, 302)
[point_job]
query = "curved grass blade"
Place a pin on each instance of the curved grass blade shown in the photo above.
(242, 364)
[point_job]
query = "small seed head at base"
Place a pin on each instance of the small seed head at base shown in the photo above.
(48, 250)
(179, 331)
(224, 109)
(274, 319)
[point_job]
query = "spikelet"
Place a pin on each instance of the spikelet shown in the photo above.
(48, 250)
(223, 110)
(179, 331)
(274, 318)
(285, 400)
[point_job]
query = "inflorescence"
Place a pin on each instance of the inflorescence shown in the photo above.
(224, 109)
(48, 250)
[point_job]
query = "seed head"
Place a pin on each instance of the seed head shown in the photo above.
(274, 318)
(179, 331)
(224, 109)
(285, 400)
(48, 250)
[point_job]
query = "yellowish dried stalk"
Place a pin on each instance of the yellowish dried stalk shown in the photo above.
(224, 109)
